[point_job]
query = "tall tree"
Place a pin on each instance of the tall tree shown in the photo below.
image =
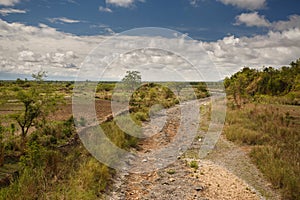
(132, 79)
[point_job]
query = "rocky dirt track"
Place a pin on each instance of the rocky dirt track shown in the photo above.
(212, 178)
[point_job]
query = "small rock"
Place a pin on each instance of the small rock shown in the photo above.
(165, 183)
(172, 179)
(199, 188)
(145, 160)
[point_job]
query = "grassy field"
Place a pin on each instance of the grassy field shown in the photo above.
(272, 133)
(49, 161)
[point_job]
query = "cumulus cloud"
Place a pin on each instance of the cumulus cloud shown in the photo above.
(9, 2)
(246, 4)
(123, 3)
(63, 20)
(103, 9)
(293, 22)
(28, 56)
(7, 11)
(273, 49)
(252, 19)
(28, 49)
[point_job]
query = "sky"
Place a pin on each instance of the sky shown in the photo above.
(58, 36)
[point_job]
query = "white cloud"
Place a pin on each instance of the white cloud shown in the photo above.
(9, 2)
(252, 19)
(194, 3)
(7, 11)
(246, 4)
(109, 31)
(63, 20)
(293, 22)
(102, 9)
(72, 1)
(274, 49)
(28, 49)
(28, 56)
(123, 3)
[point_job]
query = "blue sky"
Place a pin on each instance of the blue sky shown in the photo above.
(221, 26)
(205, 19)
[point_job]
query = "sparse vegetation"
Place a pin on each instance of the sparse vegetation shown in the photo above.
(194, 164)
(41, 156)
(270, 129)
(44, 158)
(171, 171)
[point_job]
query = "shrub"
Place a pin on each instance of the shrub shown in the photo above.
(171, 171)
(194, 164)
(141, 116)
(119, 137)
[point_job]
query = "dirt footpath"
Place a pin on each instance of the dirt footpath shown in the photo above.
(215, 178)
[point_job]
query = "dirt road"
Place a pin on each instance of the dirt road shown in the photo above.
(223, 174)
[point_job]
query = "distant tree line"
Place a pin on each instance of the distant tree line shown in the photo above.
(249, 84)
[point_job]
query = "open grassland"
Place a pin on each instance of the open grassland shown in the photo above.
(271, 131)
(49, 161)
(264, 114)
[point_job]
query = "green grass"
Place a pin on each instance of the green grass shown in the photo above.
(273, 133)
(118, 136)
(194, 164)
(49, 166)
(51, 174)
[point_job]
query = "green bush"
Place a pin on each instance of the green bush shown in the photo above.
(171, 171)
(141, 116)
(194, 164)
(119, 137)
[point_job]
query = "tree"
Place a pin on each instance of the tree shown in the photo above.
(37, 102)
(239, 85)
(39, 77)
(32, 110)
(249, 84)
(132, 79)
